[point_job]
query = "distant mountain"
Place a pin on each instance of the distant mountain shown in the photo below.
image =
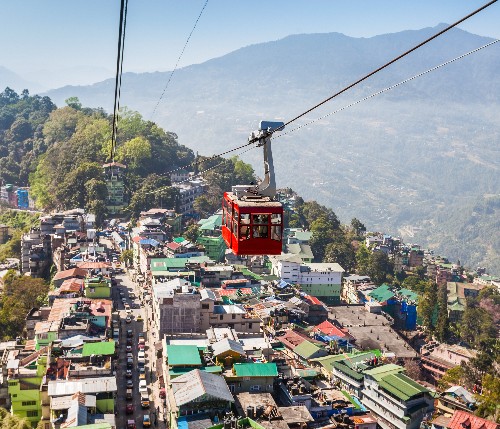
(402, 161)
(12, 80)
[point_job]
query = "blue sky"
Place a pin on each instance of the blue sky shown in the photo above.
(60, 42)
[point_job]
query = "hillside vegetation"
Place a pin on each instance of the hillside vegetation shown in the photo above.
(417, 158)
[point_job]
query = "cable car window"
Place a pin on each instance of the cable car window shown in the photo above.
(276, 218)
(276, 233)
(245, 218)
(260, 231)
(236, 216)
(244, 232)
(260, 219)
(235, 229)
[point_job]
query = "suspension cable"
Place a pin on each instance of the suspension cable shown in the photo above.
(387, 89)
(178, 60)
(449, 27)
(118, 77)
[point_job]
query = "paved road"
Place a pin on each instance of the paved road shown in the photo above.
(126, 286)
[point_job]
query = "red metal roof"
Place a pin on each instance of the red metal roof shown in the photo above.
(331, 330)
(67, 274)
(465, 420)
(313, 300)
(72, 285)
(93, 265)
(173, 245)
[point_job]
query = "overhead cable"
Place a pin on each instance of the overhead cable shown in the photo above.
(449, 27)
(178, 60)
(387, 89)
(118, 77)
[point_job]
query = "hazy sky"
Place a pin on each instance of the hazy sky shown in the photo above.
(75, 42)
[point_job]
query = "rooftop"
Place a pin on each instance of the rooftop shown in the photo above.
(182, 355)
(401, 386)
(255, 369)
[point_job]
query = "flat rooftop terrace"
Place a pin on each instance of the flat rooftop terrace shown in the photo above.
(372, 331)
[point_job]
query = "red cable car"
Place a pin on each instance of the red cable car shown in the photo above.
(252, 222)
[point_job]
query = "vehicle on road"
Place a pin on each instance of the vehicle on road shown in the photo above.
(130, 384)
(130, 363)
(128, 319)
(140, 334)
(144, 400)
(131, 424)
(129, 342)
(163, 394)
(146, 421)
(139, 318)
(129, 409)
(124, 300)
(128, 373)
(129, 394)
(128, 348)
(141, 347)
(130, 333)
(143, 386)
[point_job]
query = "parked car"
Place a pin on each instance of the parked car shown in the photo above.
(130, 333)
(139, 318)
(128, 348)
(129, 394)
(144, 400)
(146, 421)
(130, 363)
(128, 373)
(141, 347)
(130, 384)
(129, 341)
(131, 424)
(143, 386)
(129, 409)
(128, 319)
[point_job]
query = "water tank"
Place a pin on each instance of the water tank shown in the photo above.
(259, 410)
(250, 412)
(227, 423)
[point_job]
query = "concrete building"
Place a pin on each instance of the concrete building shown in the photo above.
(113, 173)
(322, 280)
(352, 285)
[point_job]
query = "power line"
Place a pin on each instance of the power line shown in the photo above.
(118, 77)
(385, 65)
(178, 59)
(388, 88)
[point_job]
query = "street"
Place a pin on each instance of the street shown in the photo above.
(122, 292)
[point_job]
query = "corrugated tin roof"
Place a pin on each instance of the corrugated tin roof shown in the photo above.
(227, 344)
(255, 369)
(379, 372)
(181, 355)
(194, 384)
(86, 385)
(306, 349)
(401, 386)
(382, 293)
(102, 348)
(460, 418)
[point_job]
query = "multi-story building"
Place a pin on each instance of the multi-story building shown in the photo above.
(395, 399)
(322, 280)
(4, 233)
(211, 237)
(189, 191)
(351, 286)
(438, 358)
(116, 188)
(35, 253)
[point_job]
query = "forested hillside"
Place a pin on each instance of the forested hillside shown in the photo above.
(412, 159)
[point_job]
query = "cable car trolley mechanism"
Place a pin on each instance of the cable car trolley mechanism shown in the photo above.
(252, 221)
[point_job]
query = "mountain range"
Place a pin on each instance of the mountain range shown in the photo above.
(417, 160)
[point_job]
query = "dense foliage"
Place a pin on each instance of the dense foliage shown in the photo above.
(11, 421)
(20, 295)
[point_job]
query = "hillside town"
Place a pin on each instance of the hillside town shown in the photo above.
(150, 325)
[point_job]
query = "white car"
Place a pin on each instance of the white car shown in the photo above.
(143, 387)
(141, 356)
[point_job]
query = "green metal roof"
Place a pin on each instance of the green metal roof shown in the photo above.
(401, 386)
(165, 264)
(177, 371)
(342, 367)
(211, 223)
(382, 371)
(178, 239)
(103, 348)
(306, 349)
(303, 235)
(181, 355)
(382, 293)
(409, 294)
(307, 373)
(327, 361)
(255, 369)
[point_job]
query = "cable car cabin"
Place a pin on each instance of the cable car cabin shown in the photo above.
(252, 225)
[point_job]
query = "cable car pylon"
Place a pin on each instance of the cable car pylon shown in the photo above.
(252, 221)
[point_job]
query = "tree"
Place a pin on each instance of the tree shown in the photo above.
(358, 227)
(192, 233)
(427, 306)
(74, 103)
(442, 326)
(11, 421)
(379, 267)
(489, 400)
(21, 294)
(362, 260)
(452, 377)
(412, 369)
(135, 153)
(341, 252)
(127, 257)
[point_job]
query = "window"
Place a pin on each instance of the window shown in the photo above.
(262, 219)
(250, 325)
(233, 316)
(27, 403)
(260, 231)
(205, 306)
(276, 218)
(32, 413)
(255, 388)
